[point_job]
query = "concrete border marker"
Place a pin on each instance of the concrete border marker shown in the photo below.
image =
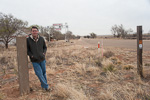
(23, 71)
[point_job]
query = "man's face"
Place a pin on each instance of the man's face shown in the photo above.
(34, 32)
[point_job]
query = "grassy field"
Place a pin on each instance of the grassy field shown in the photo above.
(75, 72)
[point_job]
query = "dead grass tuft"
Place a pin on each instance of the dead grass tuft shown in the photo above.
(3, 60)
(68, 93)
(1, 96)
(108, 65)
(98, 62)
(147, 64)
(108, 54)
(50, 71)
(128, 67)
(115, 61)
(80, 69)
(93, 71)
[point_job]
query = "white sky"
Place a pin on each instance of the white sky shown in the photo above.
(82, 16)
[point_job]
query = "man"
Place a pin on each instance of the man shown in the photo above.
(36, 49)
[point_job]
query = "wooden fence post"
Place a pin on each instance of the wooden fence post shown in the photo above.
(139, 51)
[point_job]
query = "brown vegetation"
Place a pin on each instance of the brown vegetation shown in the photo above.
(77, 73)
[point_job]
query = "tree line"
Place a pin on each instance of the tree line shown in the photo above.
(120, 32)
(51, 33)
(92, 35)
(10, 27)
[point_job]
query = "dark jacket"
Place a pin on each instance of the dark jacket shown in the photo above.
(36, 50)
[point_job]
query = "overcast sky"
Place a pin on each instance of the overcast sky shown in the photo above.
(82, 16)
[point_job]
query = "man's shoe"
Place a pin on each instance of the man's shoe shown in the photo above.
(31, 89)
(48, 90)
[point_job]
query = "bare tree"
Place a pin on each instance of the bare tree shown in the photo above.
(69, 35)
(58, 35)
(114, 30)
(93, 35)
(53, 34)
(10, 27)
(44, 30)
(119, 31)
(78, 37)
(149, 32)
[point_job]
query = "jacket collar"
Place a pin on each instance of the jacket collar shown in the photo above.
(33, 38)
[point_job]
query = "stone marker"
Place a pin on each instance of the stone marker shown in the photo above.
(23, 70)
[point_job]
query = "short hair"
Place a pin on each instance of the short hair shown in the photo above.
(34, 27)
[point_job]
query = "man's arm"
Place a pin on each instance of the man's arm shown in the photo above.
(28, 49)
(44, 47)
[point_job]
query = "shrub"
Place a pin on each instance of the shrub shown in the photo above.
(128, 67)
(108, 54)
(98, 62)
(147, 64)
(1, 96)
(3, 60)
(110, 67)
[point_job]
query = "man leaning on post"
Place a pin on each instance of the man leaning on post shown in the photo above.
(36, 49)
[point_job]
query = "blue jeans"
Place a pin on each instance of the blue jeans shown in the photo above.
(40, 71)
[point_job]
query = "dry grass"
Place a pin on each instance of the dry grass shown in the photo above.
(77, 73)
(66, 92)
(147, 64)
(117, 88)
(1, 96)
(108, 54)
(8, 60)
(128, 67)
